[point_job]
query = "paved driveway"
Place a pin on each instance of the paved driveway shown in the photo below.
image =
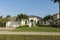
(6, 29)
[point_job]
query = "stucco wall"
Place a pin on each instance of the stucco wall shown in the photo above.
(12, 24)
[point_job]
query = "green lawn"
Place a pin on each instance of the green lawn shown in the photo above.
(29, 37)
(37, 29)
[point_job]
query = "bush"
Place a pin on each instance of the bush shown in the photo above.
(26, 25)
(2, 24)
(45, 26)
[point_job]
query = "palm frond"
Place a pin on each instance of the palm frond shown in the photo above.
(55, 0)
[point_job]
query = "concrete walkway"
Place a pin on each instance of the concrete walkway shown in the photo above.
(30, 33)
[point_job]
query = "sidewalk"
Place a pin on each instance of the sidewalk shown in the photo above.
(30, 33)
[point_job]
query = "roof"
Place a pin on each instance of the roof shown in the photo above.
(56, 14)
(13, 18)
(34, 17)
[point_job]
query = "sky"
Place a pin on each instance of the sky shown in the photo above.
(39, 8)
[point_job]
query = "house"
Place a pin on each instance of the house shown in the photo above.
(56, 21)
(31, 21)
(12, 22)
(45, 23)
(56, 16)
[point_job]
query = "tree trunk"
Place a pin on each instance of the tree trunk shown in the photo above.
(59, 15)
(59, 10)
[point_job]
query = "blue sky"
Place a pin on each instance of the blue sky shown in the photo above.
(30, 7)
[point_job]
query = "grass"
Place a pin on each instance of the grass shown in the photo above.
(29, 37)
(37, 29)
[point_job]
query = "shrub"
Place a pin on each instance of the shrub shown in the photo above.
(45, 26)
(26, 25)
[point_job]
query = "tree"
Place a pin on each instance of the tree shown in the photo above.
(48, 17)
(59, 9)
(0, 18)
(22, 16)
(1, 21)
(8, 16)
(59, 5)
(6, 19)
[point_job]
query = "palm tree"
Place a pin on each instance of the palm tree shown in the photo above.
(59, 8)
(48, 17)
(59, 5)
(21, 16)
(8, 16)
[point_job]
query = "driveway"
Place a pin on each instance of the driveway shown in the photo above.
(6, 29)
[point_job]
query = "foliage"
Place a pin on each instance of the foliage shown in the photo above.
(56, 0)
(2, 24)
(59, 4)
(45, 26)
(1, 21)
(48, 17)
(1, 18)
(22, 16)
(8, 16)
(4, 20)
(25, 26)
